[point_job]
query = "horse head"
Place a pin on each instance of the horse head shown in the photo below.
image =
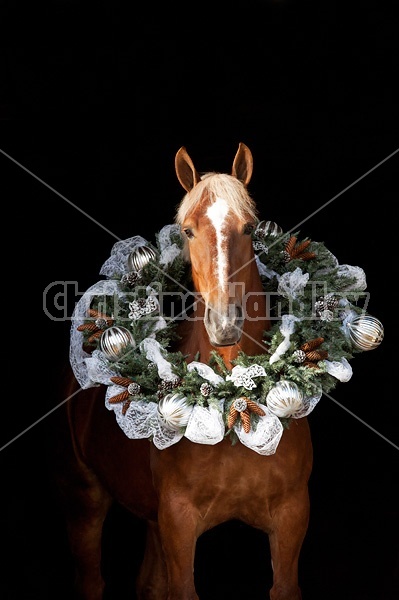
(217, 217)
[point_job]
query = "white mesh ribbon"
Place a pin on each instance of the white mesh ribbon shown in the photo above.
(341, 369)
(356, 273)
(205, 371)
(169, 250)
(205, 425)
(287, 328)
(152, 350)
(308, 404)
(263, 270)
(292, 285)
(242, 376)
(157, 325)
(347, 315)
(266, 437)
(77, 356)
(116, 264)
(325, 270)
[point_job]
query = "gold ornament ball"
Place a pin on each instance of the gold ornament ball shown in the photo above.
(114, 342)
(365, 332)
(140, 257)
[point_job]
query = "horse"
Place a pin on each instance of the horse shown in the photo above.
(187, 489)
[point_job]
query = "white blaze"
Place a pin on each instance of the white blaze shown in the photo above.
(217, 213)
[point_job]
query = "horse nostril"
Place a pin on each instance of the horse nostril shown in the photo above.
(239, 312)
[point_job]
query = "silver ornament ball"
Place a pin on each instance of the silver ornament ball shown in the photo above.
(365, 332)
(114, 341)
(284, 399)
(140, 257)
(174, 411)
(265, 228)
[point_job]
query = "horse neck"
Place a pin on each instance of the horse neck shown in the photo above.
(257, 318)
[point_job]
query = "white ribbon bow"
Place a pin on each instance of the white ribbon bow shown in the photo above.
(146, 306)
(242, 376)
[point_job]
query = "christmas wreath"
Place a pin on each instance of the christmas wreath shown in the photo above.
(124, 326)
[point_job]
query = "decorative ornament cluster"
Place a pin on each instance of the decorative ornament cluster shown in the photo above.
(121, 338)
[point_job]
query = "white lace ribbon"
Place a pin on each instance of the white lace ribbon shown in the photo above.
(266, 437)
(308, 404)
(141, 420)
(116, 264)
(205, 425)
(78, 356)
(292, 284)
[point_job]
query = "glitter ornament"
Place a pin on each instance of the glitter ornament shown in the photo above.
(260, 247)
(299, 356)
(114, 342)
(140, 257)
(365, 332)
(101, 323)
(285, 399)
(130, 278)
(134, 388)
(206, 389)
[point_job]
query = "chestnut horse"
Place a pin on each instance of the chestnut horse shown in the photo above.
(188, 488)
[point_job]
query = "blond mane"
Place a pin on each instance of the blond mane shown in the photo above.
(223, 186)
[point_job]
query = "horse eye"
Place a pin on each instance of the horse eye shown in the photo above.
(188, 233)
(248, 228)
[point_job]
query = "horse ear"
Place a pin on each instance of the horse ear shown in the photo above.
(243, 164)
(185, 170)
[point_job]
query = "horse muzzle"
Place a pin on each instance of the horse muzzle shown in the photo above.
(224, 328)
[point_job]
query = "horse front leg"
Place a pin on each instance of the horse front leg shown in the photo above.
(86, 505)
(178, 522)
(289, 526)
(152, 581)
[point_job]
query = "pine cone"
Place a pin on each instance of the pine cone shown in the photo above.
(253, 407)
(119, 397)
(312, 344)
(307, 256)
(298, 251)
(308, 363)
(95, 336)
(290, 245)
(95, 314)
(316, 355)
(300, 248)
(125, 407)
(123, 381)
(87, 327)
(232, 417)
(246, 420)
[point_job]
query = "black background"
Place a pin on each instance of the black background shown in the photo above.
(96, 101)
